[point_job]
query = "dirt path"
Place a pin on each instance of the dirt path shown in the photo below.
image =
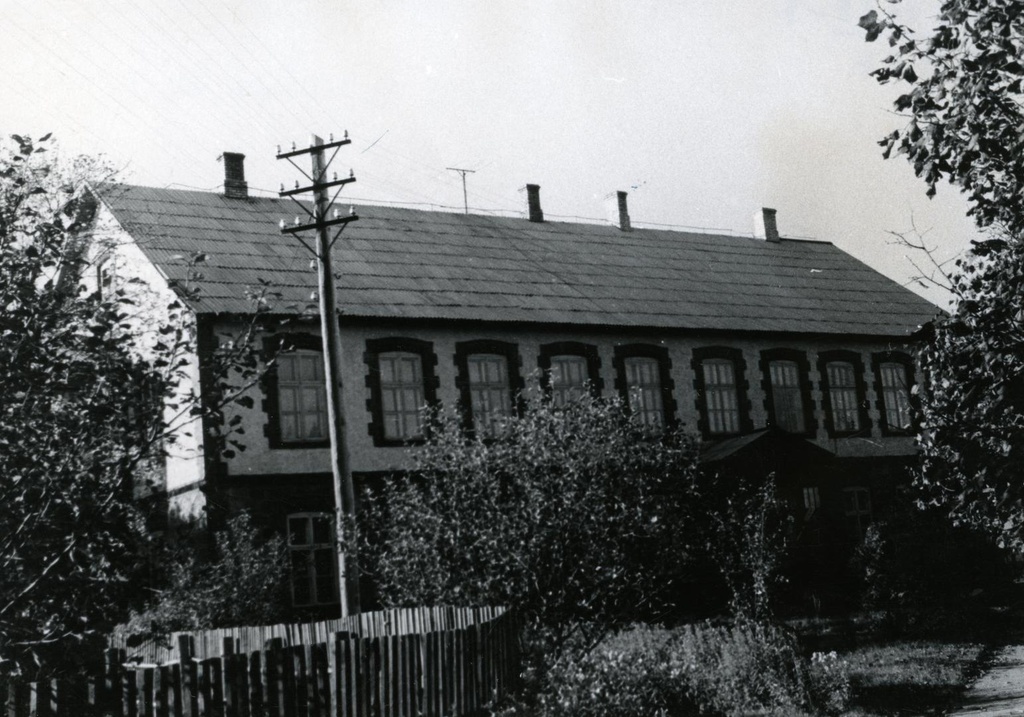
(1000, 690)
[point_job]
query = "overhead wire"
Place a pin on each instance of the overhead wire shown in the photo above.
(50, 55)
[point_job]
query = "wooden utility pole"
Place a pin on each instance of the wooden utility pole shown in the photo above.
(344, 490)
(463, 172)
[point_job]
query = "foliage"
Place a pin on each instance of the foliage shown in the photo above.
(85, 412)
(963, 105)
(921, 574)
(575, 516)
(245, 583)
(749, 535)
(724, 670)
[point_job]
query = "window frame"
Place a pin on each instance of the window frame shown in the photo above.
(375, 403)
(588, 352)
(705, 353)
(857, 514)
(804, 375)
(513, 364)
(659, 354)
(106, 277)
(907, 362)
(860, 391)
(272, 348)
(311, 548)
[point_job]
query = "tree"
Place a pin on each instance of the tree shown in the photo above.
(963, 105)
(85, 411)
(573, 516)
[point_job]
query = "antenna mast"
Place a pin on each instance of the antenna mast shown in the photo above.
(463, 172)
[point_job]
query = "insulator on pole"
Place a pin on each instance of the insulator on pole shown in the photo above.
(297, 222)
(281, 224)
(335, 177)
(335, 212)
(282, 186)
(352, 211)
(279, 149)
(296, 184)
(293, 146)
(351, 174)
(330, 138)
(346, 134)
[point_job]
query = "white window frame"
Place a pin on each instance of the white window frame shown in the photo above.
(403, 421)
(302, 389)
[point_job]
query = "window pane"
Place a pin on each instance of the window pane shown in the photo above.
(323, 575)
(301, 592)
(322, 530)
(387, 369)
(297, 531)
(288, 428)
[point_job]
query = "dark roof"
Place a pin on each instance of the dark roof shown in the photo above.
(397, 262)
(765, 441)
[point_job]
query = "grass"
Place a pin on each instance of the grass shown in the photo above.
(910, 677)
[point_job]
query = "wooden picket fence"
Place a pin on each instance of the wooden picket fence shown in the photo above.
(397, 621)
(435, 672)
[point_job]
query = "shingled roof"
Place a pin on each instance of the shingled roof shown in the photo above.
(408, 263)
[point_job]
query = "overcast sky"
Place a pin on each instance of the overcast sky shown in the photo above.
(702, 111)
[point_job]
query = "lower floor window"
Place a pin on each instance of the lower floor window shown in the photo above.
(857, 508)
(313, 561)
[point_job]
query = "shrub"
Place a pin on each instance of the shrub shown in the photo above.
(572, 515)
(748, 542)
(921, 574)
(710, 670)
(244, 584)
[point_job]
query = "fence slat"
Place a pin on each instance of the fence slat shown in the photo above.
(415, 662)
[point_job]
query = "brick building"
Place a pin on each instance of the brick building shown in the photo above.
(783, 354)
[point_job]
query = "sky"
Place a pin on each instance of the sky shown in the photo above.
(703, 111)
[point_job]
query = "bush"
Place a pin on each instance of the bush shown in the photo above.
(723, 670)
(572, 515)
(921, 574)
(748, 541)
(244, 584)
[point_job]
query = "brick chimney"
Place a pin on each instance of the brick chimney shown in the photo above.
(533, 210)
(235, 186)
(764, 225)
(618, 212)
